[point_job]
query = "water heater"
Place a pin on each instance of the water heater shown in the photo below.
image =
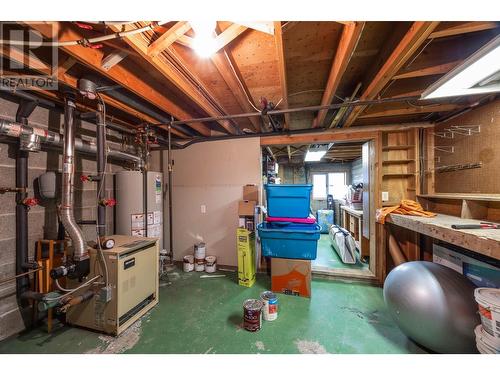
(131, 217)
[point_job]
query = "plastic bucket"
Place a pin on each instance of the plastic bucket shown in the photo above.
(288, 200)
(485, 343)
(210, 264)
(488, 300)
(200, 250)
(188, 263)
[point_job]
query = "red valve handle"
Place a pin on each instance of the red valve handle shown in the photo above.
(84, 26)
(108, 202)
(30, 202)
(85, 178)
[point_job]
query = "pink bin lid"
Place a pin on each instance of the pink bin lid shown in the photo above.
(307, 220)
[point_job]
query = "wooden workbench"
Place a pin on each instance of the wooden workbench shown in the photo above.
(353, 222)
(482, 241)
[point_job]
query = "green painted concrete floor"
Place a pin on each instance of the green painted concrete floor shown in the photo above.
(328, 258)
(205, 316)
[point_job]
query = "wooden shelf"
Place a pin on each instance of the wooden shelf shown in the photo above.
(472, 197)
(483, 241)
(397, 147)
(389, 175)
(402, 161)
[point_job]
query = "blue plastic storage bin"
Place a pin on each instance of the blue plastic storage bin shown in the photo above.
(289, 240)
(288, 200)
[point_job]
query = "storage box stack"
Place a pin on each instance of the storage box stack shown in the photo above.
(245, 236)
(290, 237)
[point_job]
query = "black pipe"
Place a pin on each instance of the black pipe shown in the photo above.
(23, 112)
(170, 208)
(101, 165)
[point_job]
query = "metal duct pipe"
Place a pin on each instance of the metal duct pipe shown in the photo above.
(80, 252)
(395, 250)
(15, 129)
(115, 94)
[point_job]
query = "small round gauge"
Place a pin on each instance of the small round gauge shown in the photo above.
(108, 243)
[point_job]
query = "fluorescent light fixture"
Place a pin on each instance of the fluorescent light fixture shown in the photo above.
(477, 74)
(204, 40)
(314, 155)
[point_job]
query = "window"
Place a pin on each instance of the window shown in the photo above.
(337, 185)
(319, 186)
(329, 183)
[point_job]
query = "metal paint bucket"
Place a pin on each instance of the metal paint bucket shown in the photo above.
(210, 264)
(199, 265)
(200, 251)
(188, 263)
(270, 305)
(252, 315)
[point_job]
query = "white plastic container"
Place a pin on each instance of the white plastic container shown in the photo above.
(485, 343)
(210, 264)
(188, 263)
(488, 300)
(199, 265)
(200, 251)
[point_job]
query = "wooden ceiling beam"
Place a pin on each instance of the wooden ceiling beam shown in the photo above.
(463, 28)
(427, 71)
(168, 37)
(70, 81)
(347, 44)
(409, 44)
(91, 58)
(198, 94)
(412, 110)
(280, 53)
(221, 40)
(226, 66)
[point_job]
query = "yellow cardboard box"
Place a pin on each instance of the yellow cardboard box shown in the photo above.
(246, 257)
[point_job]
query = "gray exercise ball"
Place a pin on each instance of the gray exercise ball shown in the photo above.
(433, 305)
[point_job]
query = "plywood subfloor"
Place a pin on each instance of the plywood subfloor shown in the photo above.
(205, 315)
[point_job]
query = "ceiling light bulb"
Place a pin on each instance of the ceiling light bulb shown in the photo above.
(204, 41)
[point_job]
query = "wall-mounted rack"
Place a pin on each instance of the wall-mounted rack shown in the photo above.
(447, 149)
(458, 167)
(464, 130)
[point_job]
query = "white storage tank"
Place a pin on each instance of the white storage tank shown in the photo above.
(130, 220)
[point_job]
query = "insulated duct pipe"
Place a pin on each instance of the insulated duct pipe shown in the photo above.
(80, 252)
(15, 129)
(395, 250)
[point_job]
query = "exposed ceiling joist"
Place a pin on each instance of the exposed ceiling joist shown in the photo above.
(168, 37)
(409, 44)
(462, 28)
(195, 93)
(262, 26)
(228, 69)
(280, 52)
(412, 110)
(347, 44)
(72, 82)
(92, 58)
(427, 71)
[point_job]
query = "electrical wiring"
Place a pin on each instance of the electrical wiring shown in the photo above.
(83, 41)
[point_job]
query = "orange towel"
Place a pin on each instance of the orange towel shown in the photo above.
(406, 207)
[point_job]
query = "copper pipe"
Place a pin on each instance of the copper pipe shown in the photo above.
(5, 281)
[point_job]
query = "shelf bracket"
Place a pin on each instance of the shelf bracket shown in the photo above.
(447, 149)
(464, 130)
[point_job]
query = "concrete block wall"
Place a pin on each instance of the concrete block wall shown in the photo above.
(42, 219)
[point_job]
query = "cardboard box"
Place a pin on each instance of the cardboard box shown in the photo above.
(246, 208)
(251, 193)
(246, 257)
(247, 222)
(291, 276)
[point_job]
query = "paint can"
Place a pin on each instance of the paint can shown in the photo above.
(252, 315)
(485, 343)
(188, 263)
(488, 301)
(210, 264)
(199, 265)
(200, 251)
(270, 305)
